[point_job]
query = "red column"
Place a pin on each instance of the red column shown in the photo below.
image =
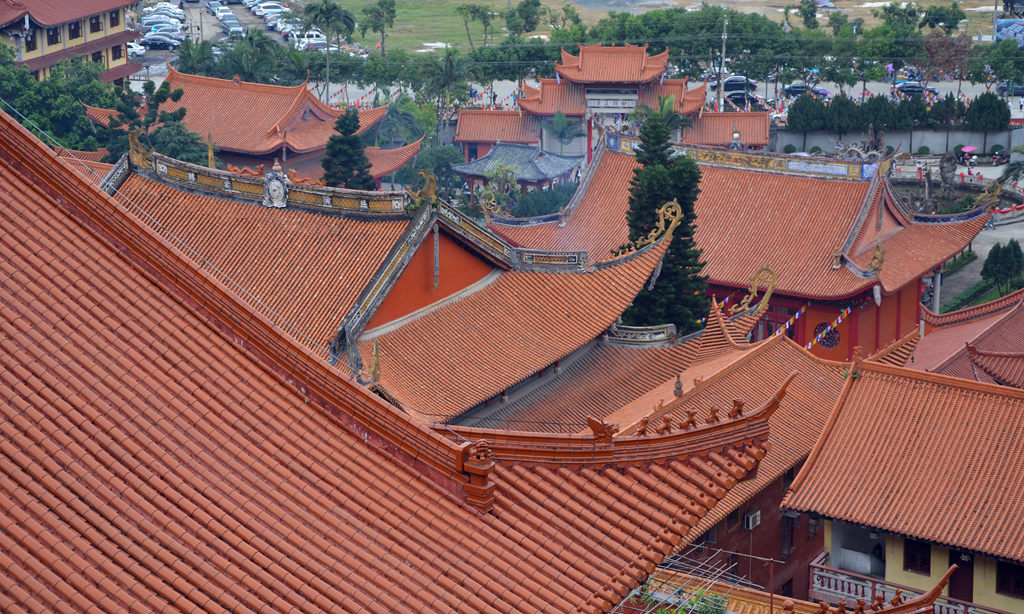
(854, 330)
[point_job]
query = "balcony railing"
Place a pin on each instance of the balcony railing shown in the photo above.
(831, 584)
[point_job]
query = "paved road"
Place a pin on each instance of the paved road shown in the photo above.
(970, 274)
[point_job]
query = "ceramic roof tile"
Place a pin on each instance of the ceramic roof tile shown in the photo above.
(275, 116)
(687, 101)
(386, 161)
(597, 222)
(166, 446)
(599, 64)
(970, 313)
(899, 351)
(527, 161)
(53, 12)
(269, 252)
(553, 96)
(77, 154)
(716, 129)
(997, 328)
(486, 126)
(432, 362)
(99, 115)
(1006, 368)
(779, 239)
(884, 461)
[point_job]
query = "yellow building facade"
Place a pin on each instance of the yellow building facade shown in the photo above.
(42, 35)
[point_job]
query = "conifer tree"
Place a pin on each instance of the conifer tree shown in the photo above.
(345, 164)
(679, 292)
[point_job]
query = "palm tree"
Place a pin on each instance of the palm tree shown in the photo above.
(195, 58)
(468, 14)
(332, 21)
(442, 73)
(249, 63)
(666, 109)
(1014, 170)
(564, 130)
(398, 123)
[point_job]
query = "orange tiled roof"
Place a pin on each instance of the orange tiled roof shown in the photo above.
(100, 116)
(599, 64)
(796, 425)
(971, 313)
(53, 12)
(258, 119)
(93, 171)
(944, 349)
(271, 253)
(1006, 368)
(716, 129)
(78, 154)
(899, 351)
(486, 126)
(432, 362)
(165, 444)
(552, 97)
(687, 101)
(884, 461)
(597, 223)
(781, 238)
(386, 161)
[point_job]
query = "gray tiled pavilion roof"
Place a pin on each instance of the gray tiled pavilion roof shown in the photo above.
(528, 162)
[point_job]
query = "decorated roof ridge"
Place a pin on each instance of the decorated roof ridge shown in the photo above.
(716, 339)
(244, 185)
(390, 160)
(650, 67)
(970, 313)
(858, 225)
(563, 215)
(604, 445)
(1006, 368)
(81, 154)
(236, 82)
(746, 599)
(99, 115)
(396, 434)
(899, 351)
(1008, 308)
(741, 363)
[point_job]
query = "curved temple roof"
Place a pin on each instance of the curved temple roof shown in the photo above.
(165, 445)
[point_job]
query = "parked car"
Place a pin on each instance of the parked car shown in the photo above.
(312, 36)
(173, 32)
(260, 9)
(287, 26)
(320, 46)
(135, 49)
(1017, 89)
(157, 40)
(233, 30)
(153, 20)
(798, 88)
(212, 6)
(162, 5)
(735, 83)
(169, 12)
(912, 88)
(742, 99)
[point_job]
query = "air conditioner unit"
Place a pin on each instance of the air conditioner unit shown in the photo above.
(751, 520)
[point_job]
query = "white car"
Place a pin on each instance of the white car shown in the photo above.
(221, 12)
(135, 49)
(308, 38)
(260, 9)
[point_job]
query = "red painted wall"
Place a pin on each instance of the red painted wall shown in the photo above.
(414, 289)
(766, 541)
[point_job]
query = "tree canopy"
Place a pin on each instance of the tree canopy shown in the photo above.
(345, 164)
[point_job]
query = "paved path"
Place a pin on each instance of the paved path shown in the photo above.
(970, 274)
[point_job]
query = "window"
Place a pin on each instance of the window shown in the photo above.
(1010, 579)
(788, 526)
(74, 30)
(732, 520)
(813, 524)
(116, 53)
(115, 18)
(31, 42)
(917, 556)
(788, 477)
(97, 56)
(95, 24)
(471, 151)
(53, 36)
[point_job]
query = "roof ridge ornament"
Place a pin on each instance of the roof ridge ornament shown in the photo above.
(602, 432)
(764, 276)
(670, 215)
(140, 155)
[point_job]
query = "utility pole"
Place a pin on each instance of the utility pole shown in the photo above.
(721, 65)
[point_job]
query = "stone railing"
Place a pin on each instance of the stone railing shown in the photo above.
(258, 188)
(642, 335)
(797, 165)
(830, 584)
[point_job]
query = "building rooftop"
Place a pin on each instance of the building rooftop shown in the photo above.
(486, 126)
(553, 96)
(1006, 368)
(884, 460)
(600, 64)
(716, 129)
(528, 162)
(168, 445)
(255, 118)
(386, 161)
(53, 12)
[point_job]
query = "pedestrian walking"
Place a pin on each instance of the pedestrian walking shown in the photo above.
(1021, 101)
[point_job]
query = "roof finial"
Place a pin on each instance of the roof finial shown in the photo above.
(602, 432)
(677, 389)
(277, 166)
(737, 409)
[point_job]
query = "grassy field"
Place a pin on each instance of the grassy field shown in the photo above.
(426, 24)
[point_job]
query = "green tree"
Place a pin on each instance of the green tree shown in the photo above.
(987, 113)
(468, 14)
(679, 295)
(525, 17)
(398, 124)
(334, 22)
(379, 17)
(565, 18)
(945, 18)
(173, 139)
(667, 110)
(1014, 171)
(843, 116)
(564, 130)
(806, 114)
(344, 162)
(437, 160)
(808, 10)
(196, 58)
(443, 73)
